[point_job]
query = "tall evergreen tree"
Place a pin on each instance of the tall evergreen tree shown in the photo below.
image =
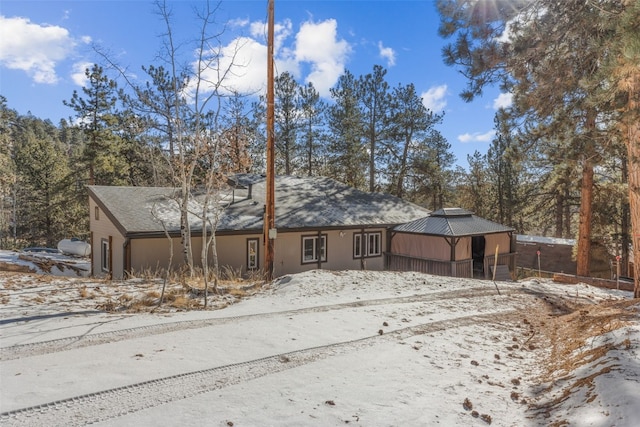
(312, 113)
(433, 170)
(375, 101)
(41, 166)
(623, 68)
(238, 134)
(548, 54)
(506, 174)
(347, 151)
(8, 179)
(473, 190)
(96, 116)
(409, 122)
(287, 123)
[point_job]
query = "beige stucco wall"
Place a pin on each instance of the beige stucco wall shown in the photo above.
(102, 228)
(288, 252)
(151, 255)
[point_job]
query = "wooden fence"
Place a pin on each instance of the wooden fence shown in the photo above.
(503, 259)
(395, 262)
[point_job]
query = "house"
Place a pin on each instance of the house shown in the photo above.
(453, 242)
(320, 223)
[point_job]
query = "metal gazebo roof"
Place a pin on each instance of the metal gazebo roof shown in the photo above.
(452, 222)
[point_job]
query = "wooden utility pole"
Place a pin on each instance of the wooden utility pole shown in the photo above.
(269, 212)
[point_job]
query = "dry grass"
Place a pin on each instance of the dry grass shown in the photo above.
(83, 292)
(15, 268)
(570, 334)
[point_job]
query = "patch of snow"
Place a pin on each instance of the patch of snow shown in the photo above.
(318, 348)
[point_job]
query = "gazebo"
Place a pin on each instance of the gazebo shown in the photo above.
(453, 242)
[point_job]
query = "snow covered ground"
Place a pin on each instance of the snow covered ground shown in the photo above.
(321, 349)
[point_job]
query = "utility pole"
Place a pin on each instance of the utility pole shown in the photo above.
(269, 212)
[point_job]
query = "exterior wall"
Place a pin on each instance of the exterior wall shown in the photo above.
(427, 247)
(102, 229)
(340, 254)
(152, 254)
(437, 248)
(501, 239)
(463, 249)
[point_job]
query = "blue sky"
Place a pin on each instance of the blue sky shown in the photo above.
(45, 46)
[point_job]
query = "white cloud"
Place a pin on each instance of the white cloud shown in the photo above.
(504, 100)
(387, 53)
(245, 59)
(318, 44)
(33, 48)
(434, 98)
(281, 31)
(315, 44)
(477, 137)
(78, 75)
(238, 23)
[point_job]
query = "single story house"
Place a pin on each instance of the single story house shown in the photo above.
(453, 242)
(320, 223)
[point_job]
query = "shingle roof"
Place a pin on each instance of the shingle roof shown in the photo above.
(453, 222)
(300, 203)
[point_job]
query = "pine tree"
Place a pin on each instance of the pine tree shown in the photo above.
(375, 100)
(96, 116)
(41, 167)
(506, 174)
(409, 123)
(549, 55)
(8, 179)
(312, 113)
(347, 151)
(287, 123)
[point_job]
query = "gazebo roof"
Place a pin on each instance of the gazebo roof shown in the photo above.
(452, 222)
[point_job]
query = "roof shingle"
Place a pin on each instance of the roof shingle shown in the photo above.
(300, 203)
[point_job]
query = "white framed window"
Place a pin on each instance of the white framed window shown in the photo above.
(367, 245)
(104, 255)
(357, 245)
(373, 244)
(252, 254)
(314, 248)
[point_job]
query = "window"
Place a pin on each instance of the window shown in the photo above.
(104, 255)
(367, 245)
(96, 213)
(252, 254)
(357, 245)
(314, 248)
(373, 245)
